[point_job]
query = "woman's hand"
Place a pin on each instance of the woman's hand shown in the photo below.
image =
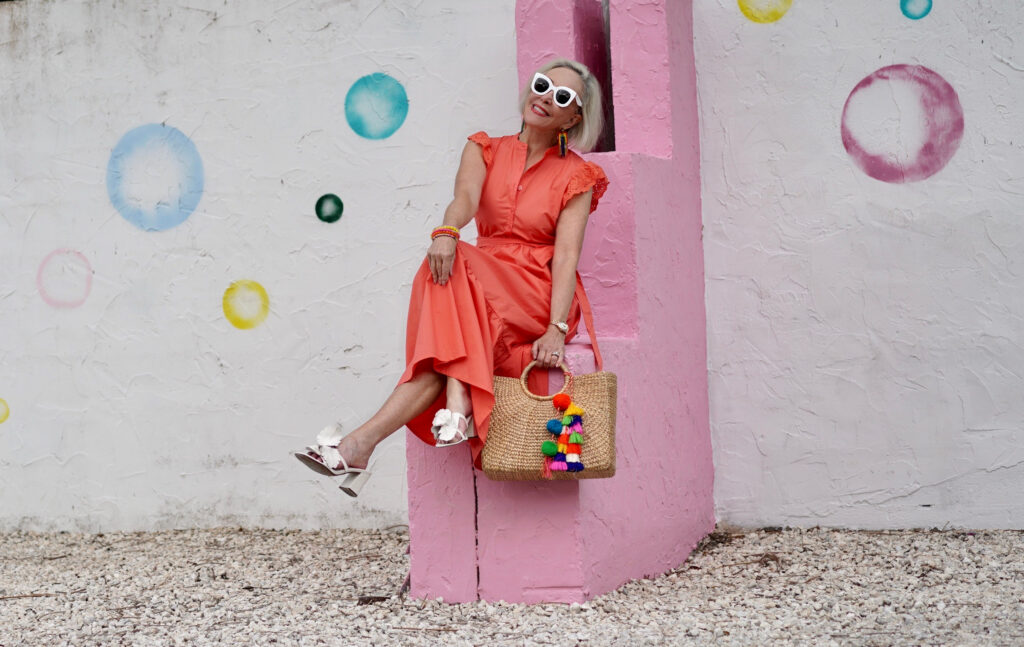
(440, 256)
(550, 348)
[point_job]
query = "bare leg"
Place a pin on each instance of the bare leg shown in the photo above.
(407, 401)
(458, 397)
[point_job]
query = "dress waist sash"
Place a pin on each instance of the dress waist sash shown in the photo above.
(492, 241)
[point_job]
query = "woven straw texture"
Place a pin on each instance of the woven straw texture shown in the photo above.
(519, 426)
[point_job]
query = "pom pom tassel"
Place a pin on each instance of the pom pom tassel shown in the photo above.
(562, 454)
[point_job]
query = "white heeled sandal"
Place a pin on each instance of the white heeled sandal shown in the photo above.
(325, 454)
(446, 428)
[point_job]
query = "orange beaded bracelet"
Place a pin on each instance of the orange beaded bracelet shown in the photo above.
(445, 230)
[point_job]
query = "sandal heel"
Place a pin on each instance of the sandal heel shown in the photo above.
(354, 482)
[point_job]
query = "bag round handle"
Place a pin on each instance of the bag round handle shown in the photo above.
(565, 387)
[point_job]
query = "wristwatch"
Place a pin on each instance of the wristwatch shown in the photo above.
(562, 326)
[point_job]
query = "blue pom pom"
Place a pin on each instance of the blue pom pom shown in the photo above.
(559, 457)
(577, 420)
(574, 467)
(555, 426)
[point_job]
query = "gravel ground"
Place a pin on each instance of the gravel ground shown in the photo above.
(253, 587)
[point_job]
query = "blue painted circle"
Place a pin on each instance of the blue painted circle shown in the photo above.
(155, 177)
(915, 9)
(376, 106)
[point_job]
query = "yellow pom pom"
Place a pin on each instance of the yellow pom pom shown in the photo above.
(574, 410)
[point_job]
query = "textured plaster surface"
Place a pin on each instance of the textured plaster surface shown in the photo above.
(661, 499)
(143, 408)
(442, 522)
(864, 337)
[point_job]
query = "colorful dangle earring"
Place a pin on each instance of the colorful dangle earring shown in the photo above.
(563, 143)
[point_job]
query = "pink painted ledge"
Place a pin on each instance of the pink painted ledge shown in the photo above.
(472, 538)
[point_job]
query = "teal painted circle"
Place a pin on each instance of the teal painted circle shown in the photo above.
(915, 9)
(376, 106)
(329, 208)
(155, 177)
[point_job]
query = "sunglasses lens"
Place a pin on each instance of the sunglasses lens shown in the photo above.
(563, 97)
(540, 86)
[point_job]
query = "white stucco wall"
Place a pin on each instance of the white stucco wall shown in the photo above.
(143, 407)
(865, 337)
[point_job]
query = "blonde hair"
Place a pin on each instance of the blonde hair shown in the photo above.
(584, 135)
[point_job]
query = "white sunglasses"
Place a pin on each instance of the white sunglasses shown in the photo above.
(562, 96)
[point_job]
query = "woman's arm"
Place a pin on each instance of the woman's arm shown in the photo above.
(572, 224)
(469, 182)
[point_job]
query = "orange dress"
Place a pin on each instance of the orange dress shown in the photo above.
(484, 321)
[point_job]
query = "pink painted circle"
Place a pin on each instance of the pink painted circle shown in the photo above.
(902, 123)
(64, 278)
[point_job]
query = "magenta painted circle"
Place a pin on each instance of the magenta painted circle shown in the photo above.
(64, 278)
(941, 125)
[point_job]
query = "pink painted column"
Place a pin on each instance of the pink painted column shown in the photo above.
(643, 268)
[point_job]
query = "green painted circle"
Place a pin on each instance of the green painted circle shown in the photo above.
(329, 208)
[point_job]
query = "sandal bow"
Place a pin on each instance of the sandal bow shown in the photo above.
(445, 426)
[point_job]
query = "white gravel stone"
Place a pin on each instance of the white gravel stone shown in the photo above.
(258, 587)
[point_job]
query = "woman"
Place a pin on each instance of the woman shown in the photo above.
(485, 310)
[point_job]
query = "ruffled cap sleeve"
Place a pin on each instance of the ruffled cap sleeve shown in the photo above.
(485, 145)
(587, 176)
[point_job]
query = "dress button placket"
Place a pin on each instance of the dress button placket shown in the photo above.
(520, 163)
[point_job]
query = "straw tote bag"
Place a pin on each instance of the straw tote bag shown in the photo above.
(537, 437)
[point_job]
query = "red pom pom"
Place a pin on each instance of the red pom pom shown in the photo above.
(562, 401)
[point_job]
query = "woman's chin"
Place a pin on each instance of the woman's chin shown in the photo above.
(536, 121)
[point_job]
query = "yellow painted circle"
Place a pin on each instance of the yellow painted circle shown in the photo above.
(246, 304)
(5, 411)
(764, 10)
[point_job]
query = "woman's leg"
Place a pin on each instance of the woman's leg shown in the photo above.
(408, 400)
(457, 397)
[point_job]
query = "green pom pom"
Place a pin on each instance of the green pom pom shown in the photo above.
(576, 438)
(566, 421)
(549, 448)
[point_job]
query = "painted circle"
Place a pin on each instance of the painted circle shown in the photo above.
(915, 9)
(376, 106)
(764, 11)
(64, 278)
(246, 304)
(902, 123)
(329, 208)
(5, 411)
(155, 177)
